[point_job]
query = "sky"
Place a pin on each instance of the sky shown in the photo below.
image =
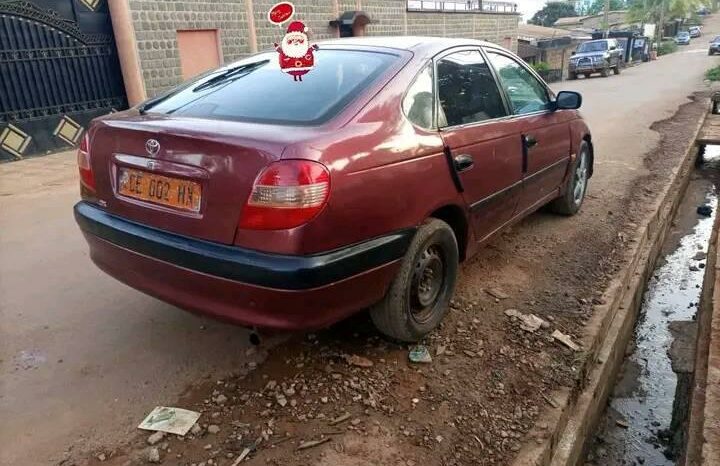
(529, 7)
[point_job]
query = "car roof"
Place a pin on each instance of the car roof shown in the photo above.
(411, 43)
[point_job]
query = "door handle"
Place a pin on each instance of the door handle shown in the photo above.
(530, 141)
(463, 162)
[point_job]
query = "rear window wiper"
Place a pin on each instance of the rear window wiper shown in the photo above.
(220, 78)
(235, 71)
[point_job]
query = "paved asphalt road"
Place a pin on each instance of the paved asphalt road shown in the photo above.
(83, 358)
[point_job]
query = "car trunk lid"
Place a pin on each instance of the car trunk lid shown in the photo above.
(206, 166)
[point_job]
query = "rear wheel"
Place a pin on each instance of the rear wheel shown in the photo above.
(604, 73)
(569, 203)
(420, 293)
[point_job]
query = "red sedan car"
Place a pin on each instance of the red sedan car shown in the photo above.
(250, 197)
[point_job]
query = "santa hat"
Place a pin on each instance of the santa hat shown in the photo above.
(297, 26)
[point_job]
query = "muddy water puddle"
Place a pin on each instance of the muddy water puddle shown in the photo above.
(638, 426)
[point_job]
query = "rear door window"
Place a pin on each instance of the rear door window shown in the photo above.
(257, 90)
(467, 90)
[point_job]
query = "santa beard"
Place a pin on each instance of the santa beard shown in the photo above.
(292, 49)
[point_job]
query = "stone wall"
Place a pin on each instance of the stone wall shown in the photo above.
(156, 24)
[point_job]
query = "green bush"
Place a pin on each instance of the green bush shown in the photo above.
(713, 74)
(667, 46)
(541, 66)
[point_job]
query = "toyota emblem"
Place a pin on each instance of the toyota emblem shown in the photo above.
(152, 147)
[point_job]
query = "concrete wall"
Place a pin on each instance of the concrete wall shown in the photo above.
(243, 28)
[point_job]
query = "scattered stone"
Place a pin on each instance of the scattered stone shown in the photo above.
(420, 354)
(528, 322)
(704, 210)
(213, 429)
(221, 399)
(152, 455)
(470, 354)
(565, 340)
(440, 350)
(498, 294)
(196, 429)
(323, 399)
(622, 424)
(359, 361)
(155, 437)
(101, 457)
(281, 400)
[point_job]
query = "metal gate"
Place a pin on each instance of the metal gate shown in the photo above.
(58, 70)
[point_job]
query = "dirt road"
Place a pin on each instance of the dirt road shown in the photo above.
(84, 358)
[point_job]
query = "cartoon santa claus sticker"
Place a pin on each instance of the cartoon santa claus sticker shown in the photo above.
(296, 54)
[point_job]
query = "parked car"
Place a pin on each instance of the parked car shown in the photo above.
(714, 46)
(695, 31)
(250, 197)
(596, 56)
(682, 38)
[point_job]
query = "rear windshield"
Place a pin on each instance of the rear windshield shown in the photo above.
(255, 89)
(598, 46)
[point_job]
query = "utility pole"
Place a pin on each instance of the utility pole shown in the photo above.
(607, 18)
(661, 26)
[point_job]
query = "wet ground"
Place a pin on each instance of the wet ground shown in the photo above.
(637, 427)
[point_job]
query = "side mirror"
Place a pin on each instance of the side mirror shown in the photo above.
(568, 100)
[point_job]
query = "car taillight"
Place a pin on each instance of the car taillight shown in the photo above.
(285, 195)
(83, 159)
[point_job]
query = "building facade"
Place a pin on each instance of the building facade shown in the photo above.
(165, 32)
(104, 55)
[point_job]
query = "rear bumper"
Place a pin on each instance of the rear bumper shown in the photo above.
(240, 285)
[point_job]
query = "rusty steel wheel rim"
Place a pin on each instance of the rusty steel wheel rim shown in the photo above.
(427, 283)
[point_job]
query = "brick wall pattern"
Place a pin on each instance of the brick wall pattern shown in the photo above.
(156, 24)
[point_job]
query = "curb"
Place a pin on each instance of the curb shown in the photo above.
(702, 437)
(576, 411)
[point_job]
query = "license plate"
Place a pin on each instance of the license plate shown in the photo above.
(150, 187)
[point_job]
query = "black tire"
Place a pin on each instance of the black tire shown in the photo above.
(604, 73)
(571, 200)
(573, 76)
(415, 304)
(710, 52)
(616, 70)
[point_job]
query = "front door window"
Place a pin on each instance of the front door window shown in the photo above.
(467, 90)
(526, 93)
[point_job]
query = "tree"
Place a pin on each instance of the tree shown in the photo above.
(551, 12)
(598, 6)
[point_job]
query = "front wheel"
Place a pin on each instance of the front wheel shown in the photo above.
(604, 73)
(419, 295)
(616, 70)
(569, 203)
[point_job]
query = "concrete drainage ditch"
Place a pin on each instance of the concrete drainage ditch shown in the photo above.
(645, 421)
